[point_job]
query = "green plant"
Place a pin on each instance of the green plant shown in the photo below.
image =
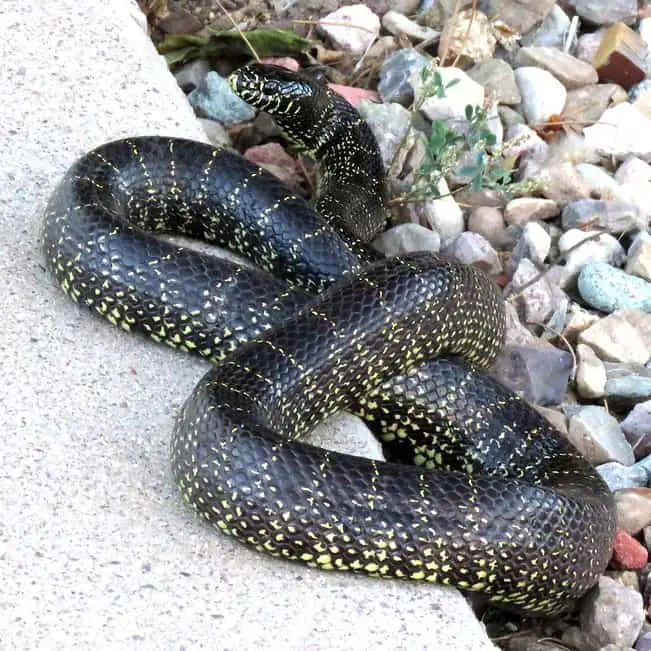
(446, 148)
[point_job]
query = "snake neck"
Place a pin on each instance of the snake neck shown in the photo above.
(351, 191)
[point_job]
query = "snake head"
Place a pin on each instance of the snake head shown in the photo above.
(271, 88)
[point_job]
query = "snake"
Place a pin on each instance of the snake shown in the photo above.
(477, 491)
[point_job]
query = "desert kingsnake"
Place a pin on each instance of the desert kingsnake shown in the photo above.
(495, 500)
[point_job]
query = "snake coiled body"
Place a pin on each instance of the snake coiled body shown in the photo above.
(494, 500)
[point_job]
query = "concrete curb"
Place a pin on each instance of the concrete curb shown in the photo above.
(96, 548)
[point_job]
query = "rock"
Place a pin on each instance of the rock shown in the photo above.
(542, 94)
(466, 39)
(497, 77)
(622, 130)
(524, 143)
(579, 247)
(628, 553)
(288, 63)
(406, 238)
(396, 72)
(521, 210)
(637, 426)
(442, 215)
(389, 123)
(627, 384)
(635, 198)
(521, 16)
(607, 288)
(216, 133)
(452, 107)
(570, 71)
(625, 577)
(633, 510)
(351, 28)
(275, 159)
(600, 12)
(472, 248)
(588, 44)
(538, 373)
(353, 95)
(397, 23)
(597, 435)
(190, 75)
(586, 105)
(578, 320)
(615, 216)
(214, 99)
(591, 373)
(612, 613)
(639, 256)
(488, 222)
(509, 116)
(561, 182)
(618, 476)
(643, 643)
(551, 32)
(534, 244)
(633, 170)
(534, 302)
(620, 337)
(602, 184)
(621, 56)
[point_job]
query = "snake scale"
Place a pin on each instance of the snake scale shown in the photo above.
(491, 499)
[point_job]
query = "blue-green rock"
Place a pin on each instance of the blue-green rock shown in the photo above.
(214, 99)
(608, 288)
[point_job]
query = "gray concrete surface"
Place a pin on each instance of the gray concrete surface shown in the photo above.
(96, 548)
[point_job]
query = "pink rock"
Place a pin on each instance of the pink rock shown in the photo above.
(283, 62)
(276, 160)
(628, 553)
(355, 95)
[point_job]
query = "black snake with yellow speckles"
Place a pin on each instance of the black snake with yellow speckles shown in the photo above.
(494, 500)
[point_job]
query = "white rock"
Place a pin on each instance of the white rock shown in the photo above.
(452, 107)
(472, 248)
(633, 170)
(405, 238)
(638, 197)
(639, 256)
(538, 242)
(590, 373)
(351, 28)
(542, 94)
(621, 130)
(398, 23)
(521, 210)
(443, 215)
(604, 248)
(523, 142)
(597, 178)
(644, 29)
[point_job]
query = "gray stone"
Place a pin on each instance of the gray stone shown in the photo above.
(618, 476)
(539, 373)
(535, 302)
(509, 116)
(589, 43)
(406, 238)
(216, 133)
(570, 71)
(389, 123)
(605, 12)
(521, 16)
(190, 75)
(643, 642)
(442, 215)
(639, 256)
(608, 289)
(472, 248)
(627, 384)
(597, 435)
(611, 614)
(498, 78)
(590, 374)
(215, 99)
(533, 244)
(542, 94)
(396, 73)
(551, 32)
(638, 423)
(620, 337)
(586, 105)
(601, 183)
(613, 215)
